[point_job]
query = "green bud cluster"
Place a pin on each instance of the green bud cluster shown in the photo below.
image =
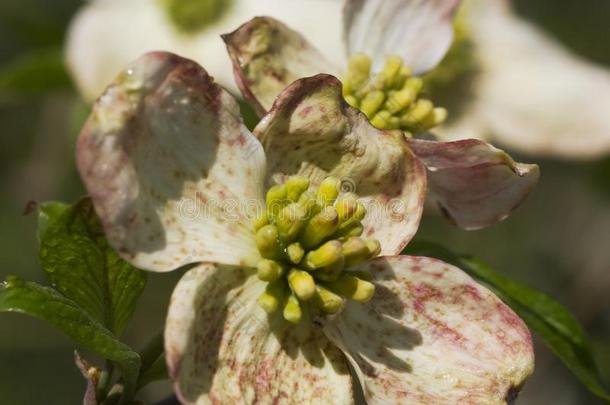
(190, 16)
(392, 98)
(308, 239)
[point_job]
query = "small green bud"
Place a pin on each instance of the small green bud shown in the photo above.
(414, 83)
(290, 221)
(302, 284)
(331, 272)
(373, 246)
(346, 206)
(417, 114)
(321, 226)
(295, 186)
(352, 100)
(355, 251)
(292, 310)
(391, 71)
(273, 296)
(400, 100)
(404, 74)
(353, 288)
(261, 221)
(439, 115)
(355, 218)
(358, 72)
(385, 120)
(372, 102)
(276, 199)
(355, 229)
(324, 256)
(269, 270)
(328, 301)
(267, 242)
(309, 202)
(295, 252)
(328, 191)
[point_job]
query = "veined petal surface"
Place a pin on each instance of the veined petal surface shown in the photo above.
(419, 31)
(311, 131)
(222, 349)
(431, 335)
(173, 173)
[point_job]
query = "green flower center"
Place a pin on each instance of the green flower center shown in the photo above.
(392, 99)
(308, 240)
(190, 16)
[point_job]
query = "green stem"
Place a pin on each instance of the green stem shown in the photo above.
(153, 361)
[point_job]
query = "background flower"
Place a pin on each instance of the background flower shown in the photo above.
(530, 92)
(124, 30)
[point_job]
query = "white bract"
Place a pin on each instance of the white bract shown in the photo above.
(176, 179)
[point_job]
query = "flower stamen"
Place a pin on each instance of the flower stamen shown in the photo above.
(308, 239)
(392, 99)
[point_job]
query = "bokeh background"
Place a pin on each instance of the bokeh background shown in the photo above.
(558, 241)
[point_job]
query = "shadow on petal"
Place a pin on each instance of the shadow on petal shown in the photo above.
(161, 155)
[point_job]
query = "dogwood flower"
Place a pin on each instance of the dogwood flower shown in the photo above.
(283, 227)
(526, 85)
(521, 86)
(124, 30)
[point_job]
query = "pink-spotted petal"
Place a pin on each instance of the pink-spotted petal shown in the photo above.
(431, 335)
(420, 31)
(172, 171)
(267, 56)
(311, 131)
(221, 347)
(472, 182)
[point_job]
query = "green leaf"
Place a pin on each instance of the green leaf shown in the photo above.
(34, 72)
(46, 304)
(81, 265)
(552, 322)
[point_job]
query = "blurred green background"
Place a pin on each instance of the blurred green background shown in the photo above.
(558, 241)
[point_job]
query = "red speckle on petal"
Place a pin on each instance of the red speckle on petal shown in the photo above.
(305, 111)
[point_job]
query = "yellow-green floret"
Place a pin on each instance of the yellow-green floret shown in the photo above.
(308, 240)
(392, 99)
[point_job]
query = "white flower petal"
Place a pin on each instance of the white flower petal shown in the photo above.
(108, 34)
(221, 348)
(473, 183)
(431, 335)
(172, 171)
(267, 56)
(535, 95)
(420, 31)
(311, 131)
